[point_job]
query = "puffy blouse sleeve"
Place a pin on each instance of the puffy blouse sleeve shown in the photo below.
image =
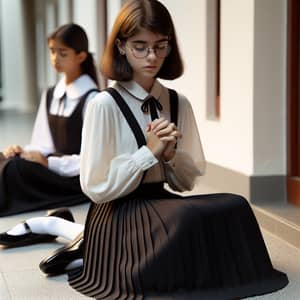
(189, 161)
(41, 139)
(108, 169)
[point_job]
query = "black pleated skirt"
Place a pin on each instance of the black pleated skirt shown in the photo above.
(28, 186)
(153, 244)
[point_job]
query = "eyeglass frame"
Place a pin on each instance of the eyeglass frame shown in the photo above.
(154, 49)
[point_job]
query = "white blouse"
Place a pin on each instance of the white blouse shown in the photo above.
(41, 139)
(111, 164)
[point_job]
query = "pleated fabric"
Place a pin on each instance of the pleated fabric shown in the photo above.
(153, 244)
(29, 186)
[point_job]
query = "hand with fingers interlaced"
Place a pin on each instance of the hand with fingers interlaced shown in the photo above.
(166, 134)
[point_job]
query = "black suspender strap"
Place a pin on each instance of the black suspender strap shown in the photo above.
(130, 118)
(83, 98)
(89, 91)
(49, 96)
(173, 106)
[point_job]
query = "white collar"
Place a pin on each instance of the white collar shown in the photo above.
(139, 93)
(76, 88)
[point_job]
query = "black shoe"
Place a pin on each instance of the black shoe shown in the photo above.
(56, 263)
(30, 238)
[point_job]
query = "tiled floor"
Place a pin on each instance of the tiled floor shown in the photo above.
(20, 276)
(21, 279)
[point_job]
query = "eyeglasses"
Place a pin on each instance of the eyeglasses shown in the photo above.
(140, 51)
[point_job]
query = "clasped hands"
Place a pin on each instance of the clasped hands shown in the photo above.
(162, 137)
(34, 156)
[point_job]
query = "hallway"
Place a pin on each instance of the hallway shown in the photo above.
(21, 279)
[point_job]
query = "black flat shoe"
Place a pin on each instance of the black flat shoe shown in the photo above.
(30, 238)
(56, 263)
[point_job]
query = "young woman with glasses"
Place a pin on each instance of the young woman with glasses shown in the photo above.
(140, 240)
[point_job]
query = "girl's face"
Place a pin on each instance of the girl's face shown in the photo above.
(146, 53)
(65, 59)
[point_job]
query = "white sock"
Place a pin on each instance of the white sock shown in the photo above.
(19, 229)
(49, 225)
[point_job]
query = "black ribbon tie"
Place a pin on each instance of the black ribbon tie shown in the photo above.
(154, 104)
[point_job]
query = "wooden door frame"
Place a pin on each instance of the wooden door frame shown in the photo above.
(293, 94)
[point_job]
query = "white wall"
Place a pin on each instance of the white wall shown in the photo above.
(64, 13)
(230, 140)
(85, 14)
(249, 137)
(113, 8)
(227, 142)
(190, 29)
(12, 55)
(270, 87)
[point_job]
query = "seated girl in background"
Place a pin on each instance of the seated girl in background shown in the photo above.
(45, 173)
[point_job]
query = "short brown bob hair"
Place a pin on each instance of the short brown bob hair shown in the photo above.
(135, 15)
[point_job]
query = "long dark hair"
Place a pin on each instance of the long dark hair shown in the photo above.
(73, 36)
(135, 15)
